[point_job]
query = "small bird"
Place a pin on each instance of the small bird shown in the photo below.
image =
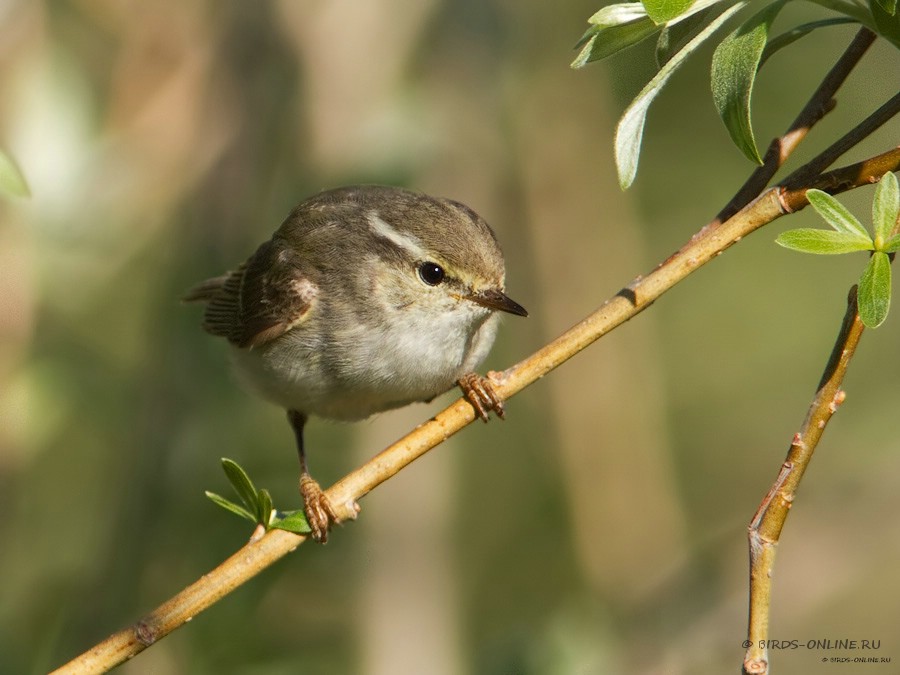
(367, 298)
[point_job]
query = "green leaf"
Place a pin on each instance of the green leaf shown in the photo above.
(292, 521)
(874, 292)
(265, 508)
(734, 66)
(892, 245)
(887, 22)
(12, 182)
(662, 11)
(630, 129)
(822, 242)
(836, 214)
(889, 6)
(885, 207)
(794, 34)
(676, 34)
(613, 29)
(230, 506)
(849, 8)
(242, 484)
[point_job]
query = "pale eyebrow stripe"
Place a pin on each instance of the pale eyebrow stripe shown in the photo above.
(383, 229)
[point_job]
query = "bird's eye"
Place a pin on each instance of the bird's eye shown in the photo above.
(431, 273)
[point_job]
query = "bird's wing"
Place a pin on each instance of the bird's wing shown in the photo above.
(260, 300)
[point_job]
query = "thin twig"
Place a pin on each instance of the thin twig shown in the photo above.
(765, 528)
(631, 300)
(793, 196)
(820, 104)
(849, 140)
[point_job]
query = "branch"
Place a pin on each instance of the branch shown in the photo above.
(793, 196)
(849, 140)
(766, 525)
(258, 554)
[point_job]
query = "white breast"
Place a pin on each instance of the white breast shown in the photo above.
(368, 370)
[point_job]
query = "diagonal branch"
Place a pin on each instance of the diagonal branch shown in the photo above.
(851, 139)
(765, 528)
(259, 553)
(766, 525)
(793, 196)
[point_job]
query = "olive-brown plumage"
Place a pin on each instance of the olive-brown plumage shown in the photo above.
(366, 298)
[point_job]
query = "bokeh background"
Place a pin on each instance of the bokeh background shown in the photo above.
(601, 528)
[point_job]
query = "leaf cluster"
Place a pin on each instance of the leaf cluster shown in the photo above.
(681, 27)
(256, 504)
(848, 235)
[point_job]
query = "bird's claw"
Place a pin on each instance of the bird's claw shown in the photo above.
(319, 512)
(480, 392)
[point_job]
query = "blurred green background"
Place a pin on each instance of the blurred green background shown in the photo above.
(601, 528)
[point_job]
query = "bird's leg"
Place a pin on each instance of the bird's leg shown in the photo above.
(319, 513)
(480, 392)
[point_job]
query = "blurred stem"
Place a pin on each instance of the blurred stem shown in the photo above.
(766, 525)
(257, 555)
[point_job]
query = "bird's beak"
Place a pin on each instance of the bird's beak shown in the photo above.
(494, 299)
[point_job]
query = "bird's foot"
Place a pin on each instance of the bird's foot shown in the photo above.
(479, 391)
(319, 512)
